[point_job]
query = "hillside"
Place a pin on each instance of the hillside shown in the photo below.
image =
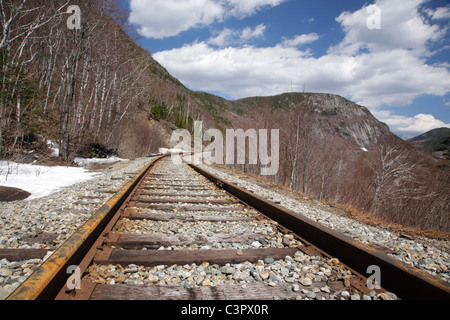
(332, 115)
(436, 142)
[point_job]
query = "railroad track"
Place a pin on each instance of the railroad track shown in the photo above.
(175, 232)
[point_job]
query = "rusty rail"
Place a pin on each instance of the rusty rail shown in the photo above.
(405, 280)
(51, 276)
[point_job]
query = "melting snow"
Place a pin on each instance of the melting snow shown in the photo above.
(42, 181)
(83, 161)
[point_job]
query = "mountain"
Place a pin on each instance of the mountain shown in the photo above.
(332, 116)
(436, 142)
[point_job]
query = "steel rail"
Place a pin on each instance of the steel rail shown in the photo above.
(46, 282)
(406, 281)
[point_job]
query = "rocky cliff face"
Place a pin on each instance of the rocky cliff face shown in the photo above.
(331, 116)
(347, 119)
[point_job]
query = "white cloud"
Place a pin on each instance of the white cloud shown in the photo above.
(440, 13)
(395, 78)
(224, 37)
(165, 18)
(239, 72)
(231, 36)
(410, 126)
(244, 8)
(300, 40)
(401, 27)
(249, 33)
(392, 78)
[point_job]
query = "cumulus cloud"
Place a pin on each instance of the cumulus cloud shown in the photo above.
(300, 40)
(231, 36)
(160, 19)
(224, 37)
(391, 78)
(241, 9)
(239, 72)
(439, 14)
(250, 33)
(401, 27)
(408, 127)
(163, 18)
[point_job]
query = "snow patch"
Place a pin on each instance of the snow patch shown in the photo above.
(85, 161)
(170, 151)
(54, 147)
(41, 181)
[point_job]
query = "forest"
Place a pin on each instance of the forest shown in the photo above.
(75, 86)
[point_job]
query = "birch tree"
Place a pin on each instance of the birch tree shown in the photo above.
(394, 176)
(19, 21)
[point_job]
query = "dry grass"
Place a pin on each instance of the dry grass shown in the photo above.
(347, 210)
(402, 230)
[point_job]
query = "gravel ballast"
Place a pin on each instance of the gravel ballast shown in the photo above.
(45, 223)
(430, 255)
(54, 219)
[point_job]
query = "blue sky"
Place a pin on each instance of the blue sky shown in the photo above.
(392, 56)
